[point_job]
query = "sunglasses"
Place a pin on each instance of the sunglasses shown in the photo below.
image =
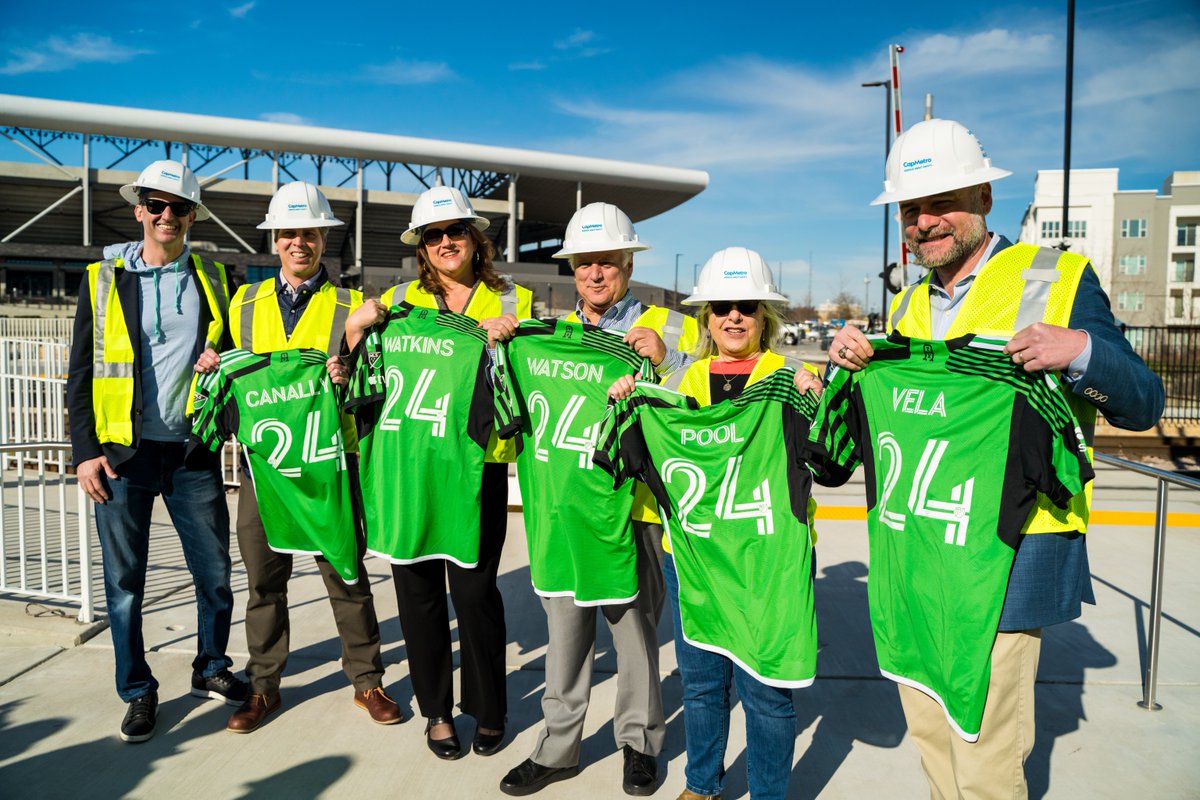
(180, 208)
(434, 235)
(722, 308)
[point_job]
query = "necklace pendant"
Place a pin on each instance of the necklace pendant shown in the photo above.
(728, 385)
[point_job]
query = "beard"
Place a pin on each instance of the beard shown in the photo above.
(966, 240)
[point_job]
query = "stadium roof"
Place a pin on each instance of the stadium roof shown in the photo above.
(223, 151)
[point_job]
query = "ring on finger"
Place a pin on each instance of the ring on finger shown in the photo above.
(842, 352)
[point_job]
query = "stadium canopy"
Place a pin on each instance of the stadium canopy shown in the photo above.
(47, 205)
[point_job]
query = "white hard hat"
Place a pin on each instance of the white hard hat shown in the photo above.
(735, 273)
(298, 205)
(599, 228)
(439, 204)
(935, 156)
(167, 176)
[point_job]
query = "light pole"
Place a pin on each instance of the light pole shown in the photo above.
(866, 288)
(887, 146)
(675, 299)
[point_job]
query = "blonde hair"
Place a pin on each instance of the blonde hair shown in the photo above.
(772, 326)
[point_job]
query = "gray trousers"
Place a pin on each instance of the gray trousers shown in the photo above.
(638, 717)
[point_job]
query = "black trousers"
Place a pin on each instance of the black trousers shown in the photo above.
(425, 619)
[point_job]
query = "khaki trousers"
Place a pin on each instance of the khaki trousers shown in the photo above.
(993, 766)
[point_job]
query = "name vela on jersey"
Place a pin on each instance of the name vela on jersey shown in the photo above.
(283, 394)
(911, 401)
(426, 345)
(567, 370)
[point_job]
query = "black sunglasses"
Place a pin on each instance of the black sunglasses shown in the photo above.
(180, 208)
(746, 308)
(457, 230)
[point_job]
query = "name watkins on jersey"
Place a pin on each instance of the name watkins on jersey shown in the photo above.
(911, 401)
(566, 370)
(283, 394)
(426, 345)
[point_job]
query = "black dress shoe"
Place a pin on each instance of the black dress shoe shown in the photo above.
(486, 744)
(641, 773)
(449, 748)
(529, 777)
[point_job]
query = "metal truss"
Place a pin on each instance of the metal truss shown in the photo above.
(474, 183)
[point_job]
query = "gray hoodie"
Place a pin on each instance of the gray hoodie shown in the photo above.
(170, 316)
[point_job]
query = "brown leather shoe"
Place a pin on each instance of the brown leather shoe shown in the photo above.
(382, 708)
(688, 794)
(252, 712)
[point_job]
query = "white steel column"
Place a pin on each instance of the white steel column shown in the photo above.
(512, 219)
(358, 225)
(578, 195)
(87, 191)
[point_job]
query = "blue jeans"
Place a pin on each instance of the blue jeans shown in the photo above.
(195, 499)
(770, 716)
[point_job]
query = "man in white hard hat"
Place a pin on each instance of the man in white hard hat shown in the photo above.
(600, 242)
(300, 307)
(145, 314)
(1058, 317)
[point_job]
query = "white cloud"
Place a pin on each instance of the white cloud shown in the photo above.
(286, 117)
(992, 52)
(57, 54)
(527, 65)
(577, 37)
(406, 73)
(239, 12)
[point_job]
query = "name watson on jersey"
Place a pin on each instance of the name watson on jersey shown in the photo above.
(426, 345)
(282, 394)
(567, 370)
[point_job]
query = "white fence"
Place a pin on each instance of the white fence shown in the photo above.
(33, 390)
(55, 328)
(45, 549)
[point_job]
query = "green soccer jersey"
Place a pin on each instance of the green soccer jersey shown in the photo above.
(733, 490)
(956, 440)
(552, 380)
(421, 396)
(285, 412)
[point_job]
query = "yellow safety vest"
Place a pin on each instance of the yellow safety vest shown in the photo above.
(112, 346)
(256, 324)
(1017, 287)
(678, 332)
(482, 304)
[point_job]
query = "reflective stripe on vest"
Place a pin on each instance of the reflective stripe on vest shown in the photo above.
(104, 300)
(672, 329)
(307, 332)
(112, 344)
(1039, 284)
(508, 298)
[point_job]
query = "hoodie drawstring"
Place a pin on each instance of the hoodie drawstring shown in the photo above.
(176, 268)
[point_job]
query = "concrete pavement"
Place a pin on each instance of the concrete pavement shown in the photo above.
(59, 714)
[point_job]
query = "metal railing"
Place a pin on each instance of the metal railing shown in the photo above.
(1174, 353)
(33, 390)
(1150, 686)
(45, 547)
(54, 328)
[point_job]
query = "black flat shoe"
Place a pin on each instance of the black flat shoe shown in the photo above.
(449, 748)
(486, 744)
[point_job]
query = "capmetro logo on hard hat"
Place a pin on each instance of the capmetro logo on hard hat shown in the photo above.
(171, 175)
(935, 156)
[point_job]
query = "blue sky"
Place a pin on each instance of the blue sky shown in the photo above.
(765, 97)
